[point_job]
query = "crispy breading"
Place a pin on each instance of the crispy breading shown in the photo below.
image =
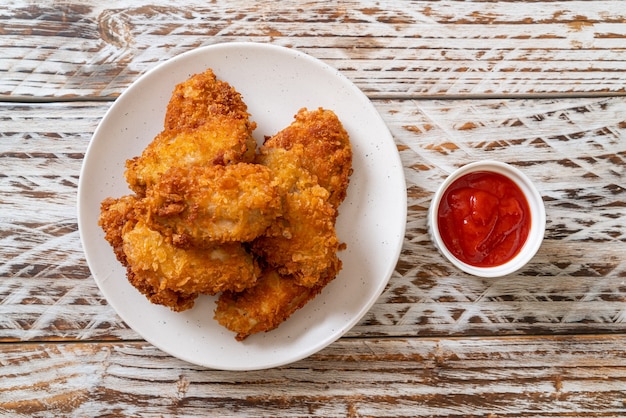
(220, 141)
(266, 305)
(167, 274)
(303, 241)
(199, 99)
(114, 214)
(206, 204)
(206, 123)
(327, 149)
(202, 98)
(208, 211)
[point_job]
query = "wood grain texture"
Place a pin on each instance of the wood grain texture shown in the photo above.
(539, 84)
(579, 168)
(497, 377)
(90, 49)
(573, 149)
(43, 270)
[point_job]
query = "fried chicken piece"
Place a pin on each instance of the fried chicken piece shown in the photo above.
(302, 242)
(174, 277)
(114, 214)
(166, 274)
(201, 98)
(208, 204)
(197, 203)
(220, 141)
(206, 123)
(312, 162)
(327, 149)
(266, 305)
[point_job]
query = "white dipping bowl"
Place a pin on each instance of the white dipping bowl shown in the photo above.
(537, 221)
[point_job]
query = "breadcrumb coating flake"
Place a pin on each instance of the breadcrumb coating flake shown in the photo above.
(114, 214)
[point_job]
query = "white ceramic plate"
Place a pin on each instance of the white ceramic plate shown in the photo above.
(275, 82)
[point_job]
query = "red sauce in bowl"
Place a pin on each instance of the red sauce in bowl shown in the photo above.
(484, 219)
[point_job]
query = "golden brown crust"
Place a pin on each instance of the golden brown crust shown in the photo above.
(166, 273)
(327, 149)
(206, 123)
(203, 98)
(207, 212)
(265, 306)
(303, 241)
(114, 214)
(209, 204)
(160, 269)
(220, 141)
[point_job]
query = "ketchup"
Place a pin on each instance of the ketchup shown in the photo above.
(484, 219)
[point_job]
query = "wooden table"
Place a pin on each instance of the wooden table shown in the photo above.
(540, 85)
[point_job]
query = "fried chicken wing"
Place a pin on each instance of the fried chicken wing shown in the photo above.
(207, 204)
(327, 149)
(266, 305)
(303, 241)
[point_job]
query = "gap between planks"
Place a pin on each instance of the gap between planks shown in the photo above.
(473, 337)
(371, 96)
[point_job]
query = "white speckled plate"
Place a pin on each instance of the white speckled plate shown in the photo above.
(275, 82)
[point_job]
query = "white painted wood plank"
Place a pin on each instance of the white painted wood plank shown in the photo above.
(373, 377)
(574, 149)
(404, 49)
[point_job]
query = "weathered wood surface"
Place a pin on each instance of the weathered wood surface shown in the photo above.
(573, 149)
(498, 377)
(537, 84)
(397, 48)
